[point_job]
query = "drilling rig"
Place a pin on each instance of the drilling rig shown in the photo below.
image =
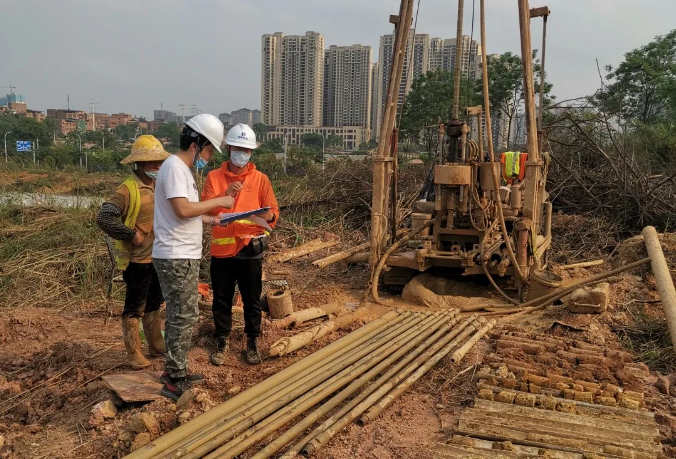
(469, 219)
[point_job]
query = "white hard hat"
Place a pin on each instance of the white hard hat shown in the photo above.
(241, 136)
(209, 126)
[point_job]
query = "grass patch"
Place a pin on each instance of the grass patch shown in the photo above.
(50, 257)
(648, 338)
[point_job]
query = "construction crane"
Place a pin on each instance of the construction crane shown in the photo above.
(11, 88)
(470, 219)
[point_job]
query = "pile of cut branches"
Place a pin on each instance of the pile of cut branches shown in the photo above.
(599, 169)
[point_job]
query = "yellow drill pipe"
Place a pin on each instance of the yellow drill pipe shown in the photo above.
(152, 449)
(461, 332)
(224, 430)
(290, 411)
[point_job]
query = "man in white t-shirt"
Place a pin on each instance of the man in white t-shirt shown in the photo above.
(177, 249)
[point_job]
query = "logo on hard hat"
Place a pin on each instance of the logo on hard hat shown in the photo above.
(242, 135)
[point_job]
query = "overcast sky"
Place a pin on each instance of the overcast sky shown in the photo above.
(131, 55)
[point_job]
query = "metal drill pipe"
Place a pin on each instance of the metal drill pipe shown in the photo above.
(458, 355)
(458, 60)
(290, 411)
(152, 449)
(382, 169)
(377, 408)
(665, 285)
(287, 436)
(324, 437)
(542, 71)
(190, 443)
(222, 431)
(491, 154)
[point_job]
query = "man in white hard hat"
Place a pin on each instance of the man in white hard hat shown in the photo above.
(237, 249)
(177, 249)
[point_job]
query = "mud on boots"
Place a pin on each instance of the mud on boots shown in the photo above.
(237, 249)
(222, 346)
(177, 249)
(127, 217)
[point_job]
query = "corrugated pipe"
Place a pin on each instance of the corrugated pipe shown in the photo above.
(461, 332)
(665, 285)
(154, 448)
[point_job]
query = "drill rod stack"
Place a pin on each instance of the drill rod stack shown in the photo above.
(367, 368)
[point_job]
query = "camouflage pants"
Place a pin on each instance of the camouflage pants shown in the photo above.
(178, 279)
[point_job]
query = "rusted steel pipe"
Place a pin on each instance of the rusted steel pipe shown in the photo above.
(458, 61)
(292, 452)
(224, 430)
(332, 351)
(458, 334)
(262, 423)
(489, 138)
(377, 408)
(665, 285)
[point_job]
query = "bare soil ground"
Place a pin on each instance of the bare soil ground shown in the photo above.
(52, 358)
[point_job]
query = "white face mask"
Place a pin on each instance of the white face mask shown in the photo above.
(152, 175)
(240, 158)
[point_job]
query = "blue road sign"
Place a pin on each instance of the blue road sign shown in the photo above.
(23, 145)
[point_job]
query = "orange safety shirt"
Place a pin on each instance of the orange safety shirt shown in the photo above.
(256, 192)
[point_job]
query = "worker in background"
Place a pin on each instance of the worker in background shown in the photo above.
(237, 249)
(177, 250)
(127, 217)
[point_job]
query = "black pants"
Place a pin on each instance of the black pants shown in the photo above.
(144, 294)
(248, 273)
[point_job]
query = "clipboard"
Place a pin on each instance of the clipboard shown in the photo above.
(242, 215)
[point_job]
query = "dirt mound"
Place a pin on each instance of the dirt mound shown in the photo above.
(633, 249)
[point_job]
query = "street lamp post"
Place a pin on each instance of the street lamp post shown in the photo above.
(323, 151)
(80, 140)
(6, 145)
(285, 147)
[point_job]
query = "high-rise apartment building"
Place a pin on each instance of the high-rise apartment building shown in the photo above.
(436, 53)
(292, 83)
(376, 83)
(347, 86)
(442, 56)
(416, 63)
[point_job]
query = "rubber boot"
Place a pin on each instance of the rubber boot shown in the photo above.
(152, 327)
(253, 357)
(132, 343)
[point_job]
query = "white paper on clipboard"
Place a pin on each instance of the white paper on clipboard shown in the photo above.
(248, 215)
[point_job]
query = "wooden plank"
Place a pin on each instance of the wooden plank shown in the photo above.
(136, 387)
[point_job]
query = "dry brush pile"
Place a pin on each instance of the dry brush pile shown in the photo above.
(601, 169)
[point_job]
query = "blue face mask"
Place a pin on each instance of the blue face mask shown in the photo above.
(152, 175)
(239, 158)
(200, 163)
